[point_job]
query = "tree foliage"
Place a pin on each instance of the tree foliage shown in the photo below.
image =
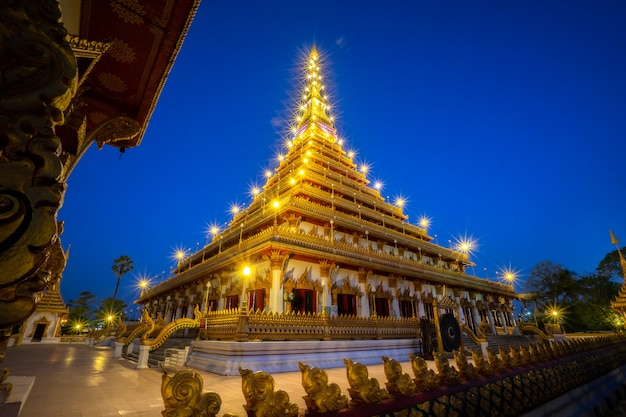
(584, 302)
(610, 266)
(83, 307)
(550, 282)
(121, 266)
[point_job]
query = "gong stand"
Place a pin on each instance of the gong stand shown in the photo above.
(444, 301)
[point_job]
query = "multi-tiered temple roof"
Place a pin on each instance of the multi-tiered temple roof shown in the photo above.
(318, 208)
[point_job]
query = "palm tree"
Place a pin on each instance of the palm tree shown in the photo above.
(122, 265)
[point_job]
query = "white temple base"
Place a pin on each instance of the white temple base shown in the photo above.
(226, 357)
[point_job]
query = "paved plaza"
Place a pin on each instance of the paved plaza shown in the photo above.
(73, 380)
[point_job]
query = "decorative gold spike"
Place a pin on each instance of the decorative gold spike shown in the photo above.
(321, 397)
(182, 395)
(261, 400)
(398, 384)
(425, 379)
(467, 371)
(495, 363)
(507, 360)
(363, 389)
(447, 373)
(480, 364)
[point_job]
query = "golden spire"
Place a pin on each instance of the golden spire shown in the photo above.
(313, 107)
(622, 261)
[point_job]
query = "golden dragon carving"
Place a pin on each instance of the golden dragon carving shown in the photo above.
(171, 328)
(534, 329)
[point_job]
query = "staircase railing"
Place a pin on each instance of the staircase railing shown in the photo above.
(171, 328)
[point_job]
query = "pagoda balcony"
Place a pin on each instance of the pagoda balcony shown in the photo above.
(354, 256)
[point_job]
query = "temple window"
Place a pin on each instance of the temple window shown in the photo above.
(406, 308)
(346, 304)
(257, 300)
(232, 301)
(430, 312)
(381, 306)
(304, 301)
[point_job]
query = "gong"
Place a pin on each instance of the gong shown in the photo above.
(450, 332)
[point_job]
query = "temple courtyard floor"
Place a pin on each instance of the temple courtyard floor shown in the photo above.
(73, 380)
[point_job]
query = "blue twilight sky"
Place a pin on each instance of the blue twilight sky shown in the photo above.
(500, 120)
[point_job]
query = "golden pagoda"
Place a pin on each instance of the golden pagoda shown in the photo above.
(319, 239)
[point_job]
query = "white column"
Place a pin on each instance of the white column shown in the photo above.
(490, 319)
(144, 354)
(117, 353)
(502, 318)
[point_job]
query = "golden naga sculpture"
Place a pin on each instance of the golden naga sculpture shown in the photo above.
(475, 338)
(467, 372)
(425, 379)
(321, 397)
(261, 400)
(447, 373)
(531, 328)
(171, 328)
(149, 324)
(363, 389)
(183, 397)
(398, 384)
(121, 329)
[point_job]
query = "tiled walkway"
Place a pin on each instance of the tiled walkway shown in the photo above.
(82, 381)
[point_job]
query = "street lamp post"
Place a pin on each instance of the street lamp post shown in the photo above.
(242, 322)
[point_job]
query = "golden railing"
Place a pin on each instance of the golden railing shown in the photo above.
(511, 382)
(225, 325)
(170, 329)
(133, 331)
(475, 338)
(525, 327)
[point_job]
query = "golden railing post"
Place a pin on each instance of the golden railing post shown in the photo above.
(326, 326)
(242, 325)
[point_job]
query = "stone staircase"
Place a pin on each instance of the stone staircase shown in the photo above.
(494, 342)
(179, 340)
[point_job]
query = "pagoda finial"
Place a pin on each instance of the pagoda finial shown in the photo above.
(622, 261)
(313, 107)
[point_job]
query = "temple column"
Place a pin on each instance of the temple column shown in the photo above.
(459, 309)
(325, 278)
(223, 283)
(510, 312)
(492, 324)
(364, 306)
(421, 310)
(503, 319)
(393, 289)
(475, 311)
(278, 262)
